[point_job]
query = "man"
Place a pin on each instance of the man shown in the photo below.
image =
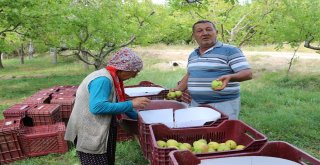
(214, 60)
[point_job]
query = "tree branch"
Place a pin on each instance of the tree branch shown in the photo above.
(120, 46)
(10, 30)
(307, 43)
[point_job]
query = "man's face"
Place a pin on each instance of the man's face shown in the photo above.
(205, 34)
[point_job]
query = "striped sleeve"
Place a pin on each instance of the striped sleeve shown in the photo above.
(237, 61)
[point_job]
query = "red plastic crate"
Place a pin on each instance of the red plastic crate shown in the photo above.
(45, 114)
(160, 96)
(144, 132)
(37, 99)
(17, 110)
(228, 129)
(123, 135)
(10, 149)
(278, 149)
(47, 91)
(43, 139)
(64, 93)
(67, 87)
(66, 106)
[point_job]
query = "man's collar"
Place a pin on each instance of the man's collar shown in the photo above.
(216, 45)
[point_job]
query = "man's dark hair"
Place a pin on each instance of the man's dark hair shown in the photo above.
(203, 21)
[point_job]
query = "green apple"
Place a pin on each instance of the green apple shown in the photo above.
(178, 94)
(216, 84)
(172, 143)
(223, 147)
(211, 150)
(202, 147)
(196, 144)
(213, 145)
(161, 144)
(240, 147)
(203, 141)
(232, 144)
(185, 146)
(171, 95)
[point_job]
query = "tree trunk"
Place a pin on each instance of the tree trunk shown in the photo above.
(54, 56)
(85, 57)
(30, 50)
(1, 66)
(21, 54)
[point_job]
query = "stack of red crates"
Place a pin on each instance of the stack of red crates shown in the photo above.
(10, 149)
(276, 149)
(228, 129)
(43, 139)
(45, 114)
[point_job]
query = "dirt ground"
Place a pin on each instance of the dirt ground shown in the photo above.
(260, 61)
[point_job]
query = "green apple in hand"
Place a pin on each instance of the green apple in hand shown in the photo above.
(178, 94)
(216, 84)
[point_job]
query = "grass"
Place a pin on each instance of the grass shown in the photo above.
(281, 107)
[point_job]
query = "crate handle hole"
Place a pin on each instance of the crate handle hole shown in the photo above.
(250, 134)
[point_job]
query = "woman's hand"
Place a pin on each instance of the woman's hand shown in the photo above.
(140, 102)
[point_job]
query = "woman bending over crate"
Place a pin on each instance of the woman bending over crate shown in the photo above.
(100, 101)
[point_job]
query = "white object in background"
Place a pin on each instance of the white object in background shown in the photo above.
(195, 116)
(164, 116)
(142, 91)
(248, 160)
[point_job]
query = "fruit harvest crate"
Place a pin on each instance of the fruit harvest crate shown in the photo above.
(66, 93)
(37, 99)
(17, 110)
(160, 96)
(143, 127)
(277, 149)
(66, 106)
(43, 139)
(229, 129)
(144, 130)
(45, 114)
(123, 135)
(47, 91)
(10, 149)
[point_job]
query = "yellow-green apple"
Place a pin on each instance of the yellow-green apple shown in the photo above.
(161, 143)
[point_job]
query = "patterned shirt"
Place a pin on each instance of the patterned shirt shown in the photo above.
(221, 59)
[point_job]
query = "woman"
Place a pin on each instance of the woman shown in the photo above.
(100, 98)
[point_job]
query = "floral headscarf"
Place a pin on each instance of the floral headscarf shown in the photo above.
(126, 60)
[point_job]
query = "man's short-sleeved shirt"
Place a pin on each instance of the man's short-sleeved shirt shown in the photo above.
(221, 59)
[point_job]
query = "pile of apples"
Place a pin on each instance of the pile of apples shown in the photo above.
(201, 145)
(173, 95)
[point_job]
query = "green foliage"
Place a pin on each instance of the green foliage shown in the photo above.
(294, 21)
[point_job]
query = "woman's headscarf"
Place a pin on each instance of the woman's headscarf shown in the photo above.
(126, 60)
